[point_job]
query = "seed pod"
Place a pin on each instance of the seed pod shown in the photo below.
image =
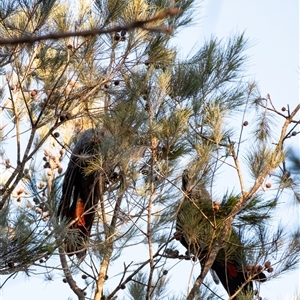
(36, 200)
(248, 268)
(20, 191)
(41, 185)
(117, 37)
(259, 268)
(168, 251)
(39, 211)
(267, 264)
(216, 205)
(175, 253)
(47, 165)
(147, 107)
(7, 163)
(33, 93)
(68, 116)
(62, 118)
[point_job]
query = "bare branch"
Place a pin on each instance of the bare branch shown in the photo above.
(72, 283)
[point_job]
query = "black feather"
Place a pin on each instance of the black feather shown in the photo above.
(81, 192)
(196, 233)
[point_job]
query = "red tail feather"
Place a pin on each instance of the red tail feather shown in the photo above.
(78, 213)
(232, 270)
(80, 192)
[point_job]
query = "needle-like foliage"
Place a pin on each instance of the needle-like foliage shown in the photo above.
(109, 65)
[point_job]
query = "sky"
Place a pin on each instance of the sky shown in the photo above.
(272, 27)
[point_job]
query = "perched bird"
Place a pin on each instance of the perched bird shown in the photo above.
(81, 192)
(194, 231)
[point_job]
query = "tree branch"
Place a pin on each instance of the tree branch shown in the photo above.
(69, 278)
(136, 24)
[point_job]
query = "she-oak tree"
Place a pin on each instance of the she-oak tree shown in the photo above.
(156, 116)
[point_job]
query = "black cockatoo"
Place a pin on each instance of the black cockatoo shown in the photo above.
(194, 231)
(81, 192)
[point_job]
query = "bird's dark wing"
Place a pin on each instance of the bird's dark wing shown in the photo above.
(232, 277)
(196, 234)
(81, 192)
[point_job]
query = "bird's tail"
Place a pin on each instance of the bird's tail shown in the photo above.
(77, 242)
(233, 278)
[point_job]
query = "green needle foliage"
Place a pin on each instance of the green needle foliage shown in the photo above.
(158, 115)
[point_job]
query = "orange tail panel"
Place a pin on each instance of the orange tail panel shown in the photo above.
(78, 214)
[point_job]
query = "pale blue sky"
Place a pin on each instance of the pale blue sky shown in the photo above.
(272, 27)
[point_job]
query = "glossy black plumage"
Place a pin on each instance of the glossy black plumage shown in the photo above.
(195, 236)
(81, 192)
